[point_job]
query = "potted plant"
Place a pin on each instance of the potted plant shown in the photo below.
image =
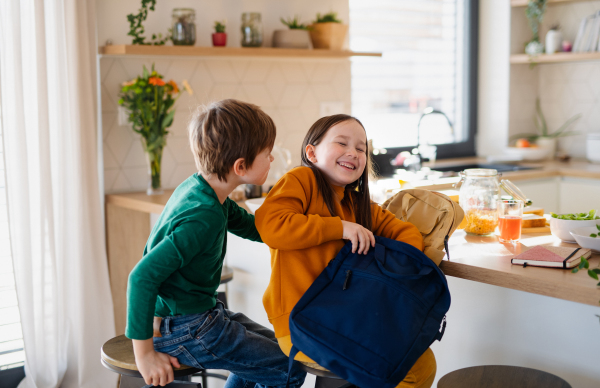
(328, 32)
(543, 138)
(136, 29)
(296, 36)
(150, 102)
(535, 14)
(219, 37)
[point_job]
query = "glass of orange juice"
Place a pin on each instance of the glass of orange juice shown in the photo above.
(510, 215)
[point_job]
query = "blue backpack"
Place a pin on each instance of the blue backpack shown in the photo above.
(368, 318)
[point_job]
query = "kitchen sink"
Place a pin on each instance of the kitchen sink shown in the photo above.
(500, 167)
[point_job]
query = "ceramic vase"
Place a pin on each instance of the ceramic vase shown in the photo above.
(298, 39)
(328, 35)
(553, 41)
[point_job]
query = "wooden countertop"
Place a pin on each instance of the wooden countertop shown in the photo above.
(485, 260)
(481, 259)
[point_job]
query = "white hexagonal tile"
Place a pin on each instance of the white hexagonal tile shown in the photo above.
(593, 118)
(119, 141)
(108, 105)
(257, 71)
(594, 81)
(114, 79)
(135, 157)
(222, 91)
(109, 119)
(221, 71)
(294, 73)
(548, 91)
(275, 83)
(309, 106)
(110, 176)
(323, 92)
(180, 123)
(293, 120)
(201, 84)
(108, 158)
(168, 163)
(181, 173)
(134, 67)
(241, 95)
(324, 72)
(180, 150)
(181, 69)
(293, 142)
(291, 96)
(239, 67)
(121, 184)
(137, 177)
(258, 95)
(309, 68)
(105, 64)
(579, 72)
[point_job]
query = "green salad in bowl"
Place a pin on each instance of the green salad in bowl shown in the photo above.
(561, 225)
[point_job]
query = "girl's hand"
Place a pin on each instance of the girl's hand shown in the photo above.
(155, 367)
(361, 237)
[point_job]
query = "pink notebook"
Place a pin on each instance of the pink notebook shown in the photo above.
(551, 256)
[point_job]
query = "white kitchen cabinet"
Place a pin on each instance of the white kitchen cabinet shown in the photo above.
(543, 192)
(578, 195)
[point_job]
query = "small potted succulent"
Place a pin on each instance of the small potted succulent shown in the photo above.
(219, 37)
(328, 32)
(296, 36)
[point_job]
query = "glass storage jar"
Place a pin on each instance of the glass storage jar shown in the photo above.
(184, 27)
(252, 29)
(478, 196)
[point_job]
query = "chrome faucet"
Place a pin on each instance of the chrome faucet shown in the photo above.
(427, 111)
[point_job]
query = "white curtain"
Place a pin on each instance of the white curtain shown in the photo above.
(49, 105)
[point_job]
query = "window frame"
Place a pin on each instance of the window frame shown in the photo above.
(466, 148)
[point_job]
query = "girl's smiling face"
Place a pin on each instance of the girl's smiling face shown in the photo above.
(341, 155)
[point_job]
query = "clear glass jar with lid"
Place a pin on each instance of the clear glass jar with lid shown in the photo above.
(184, 27)
(478, 196)
(252, 29)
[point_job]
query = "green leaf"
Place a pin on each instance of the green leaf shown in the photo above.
(593, 274)
(168, 120)
(596, 270)
(598, 227)
(575, 270)
(586, 264)
(593, 235)
(145, 74)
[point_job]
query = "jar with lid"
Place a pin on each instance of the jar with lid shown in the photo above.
(478, 196)
(252, 29)
(184, 27)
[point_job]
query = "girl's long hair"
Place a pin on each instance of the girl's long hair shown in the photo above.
(356, 194)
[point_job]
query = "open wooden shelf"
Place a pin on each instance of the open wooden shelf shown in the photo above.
(122, 49)
(523, 3)
(554, 58)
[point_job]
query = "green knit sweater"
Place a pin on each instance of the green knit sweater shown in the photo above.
(181, 267)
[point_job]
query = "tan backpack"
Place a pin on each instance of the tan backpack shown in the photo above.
(434, 214)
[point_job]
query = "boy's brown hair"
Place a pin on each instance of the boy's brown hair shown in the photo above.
(227, 130)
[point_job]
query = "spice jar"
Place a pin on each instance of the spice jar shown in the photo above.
(184, 27)
(478, 196)
(252, 29)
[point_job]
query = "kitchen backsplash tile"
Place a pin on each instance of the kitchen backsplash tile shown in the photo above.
(289, 90)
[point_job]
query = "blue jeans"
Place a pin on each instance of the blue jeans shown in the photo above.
(222, 339)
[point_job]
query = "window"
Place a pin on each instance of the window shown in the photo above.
(11, 336)
(429, 60)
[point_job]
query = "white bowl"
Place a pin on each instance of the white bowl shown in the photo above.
(254, 203)
(528, 153)
(582, 236)
(562, 228)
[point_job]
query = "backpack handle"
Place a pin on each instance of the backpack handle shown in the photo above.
(380, 259)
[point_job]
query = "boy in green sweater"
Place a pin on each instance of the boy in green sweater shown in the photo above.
(171, 294)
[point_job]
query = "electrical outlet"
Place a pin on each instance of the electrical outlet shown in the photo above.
(122, 116)
(329, 108)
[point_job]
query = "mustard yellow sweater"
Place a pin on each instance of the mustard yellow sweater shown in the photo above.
(303, 236)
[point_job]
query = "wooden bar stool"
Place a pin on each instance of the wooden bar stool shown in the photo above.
(325, 378)
(501, 376)
(117, 355)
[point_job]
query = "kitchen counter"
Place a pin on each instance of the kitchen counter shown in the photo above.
(480, 259)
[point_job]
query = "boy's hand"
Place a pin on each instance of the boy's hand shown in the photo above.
(155, 367)
(361, 237)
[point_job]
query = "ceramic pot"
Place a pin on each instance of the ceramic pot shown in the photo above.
(299, 39)
(553, 41)
(219, 39)
(328, 35)
(548, 144)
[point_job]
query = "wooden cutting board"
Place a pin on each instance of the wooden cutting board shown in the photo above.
(540, 229)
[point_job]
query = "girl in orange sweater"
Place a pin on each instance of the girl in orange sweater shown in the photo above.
(311, 211)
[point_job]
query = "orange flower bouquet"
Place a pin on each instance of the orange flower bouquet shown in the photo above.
(150, 102)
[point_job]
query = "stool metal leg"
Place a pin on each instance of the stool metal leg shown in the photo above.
(327, 382)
